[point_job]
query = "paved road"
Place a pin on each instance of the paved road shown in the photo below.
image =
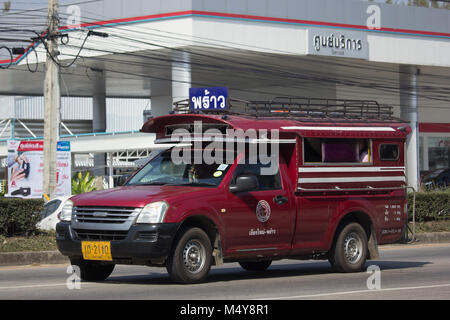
(407, 272)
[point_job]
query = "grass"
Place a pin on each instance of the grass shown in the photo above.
(41, 242)
(432, 226)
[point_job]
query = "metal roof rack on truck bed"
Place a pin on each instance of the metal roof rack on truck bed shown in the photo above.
(300, 108)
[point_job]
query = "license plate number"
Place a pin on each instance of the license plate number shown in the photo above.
(96, 250)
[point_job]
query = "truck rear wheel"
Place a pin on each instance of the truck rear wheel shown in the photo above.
(349, 252)
(255, 265)
(93, 270)
(190, 260)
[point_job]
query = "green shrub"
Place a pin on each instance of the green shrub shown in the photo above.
(18, 217)
(433, 205)
(81, 184)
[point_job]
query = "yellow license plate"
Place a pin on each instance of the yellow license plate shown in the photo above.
(96, 250)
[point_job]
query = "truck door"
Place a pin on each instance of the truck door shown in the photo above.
(261, 220)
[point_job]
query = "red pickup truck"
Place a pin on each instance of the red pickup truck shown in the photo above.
(274, 180)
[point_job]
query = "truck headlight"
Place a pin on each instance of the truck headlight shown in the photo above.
(66, 212)
(153, 212)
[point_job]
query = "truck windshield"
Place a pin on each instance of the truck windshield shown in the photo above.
(161, 170)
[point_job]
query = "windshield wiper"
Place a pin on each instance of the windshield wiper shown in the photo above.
(157, 183)
(199, 184)
(162, 183)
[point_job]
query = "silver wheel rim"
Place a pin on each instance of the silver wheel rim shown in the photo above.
(353, 248)
(194, 255)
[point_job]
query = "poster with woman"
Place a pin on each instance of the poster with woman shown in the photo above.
(25, 168)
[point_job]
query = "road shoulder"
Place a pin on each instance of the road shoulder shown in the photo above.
(55, 257)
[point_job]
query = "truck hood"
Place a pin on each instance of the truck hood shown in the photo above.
(135, 196)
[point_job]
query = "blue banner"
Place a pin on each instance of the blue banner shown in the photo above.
(214, 98)
(63, 146)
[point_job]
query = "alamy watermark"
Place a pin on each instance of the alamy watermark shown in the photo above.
(222, 146)
(73, 20)
(73, 280)
(374, 280)
(374, 18)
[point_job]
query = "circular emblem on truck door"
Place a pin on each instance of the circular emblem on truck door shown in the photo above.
(263, 211)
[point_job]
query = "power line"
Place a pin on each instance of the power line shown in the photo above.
(351, 65)
(44, 9)
(370, 85)
(252, 68)
(346, 81)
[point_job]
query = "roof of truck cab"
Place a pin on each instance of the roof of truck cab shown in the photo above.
(302, 127)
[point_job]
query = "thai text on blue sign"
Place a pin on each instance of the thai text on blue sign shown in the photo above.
(214, 98)
(63, 146)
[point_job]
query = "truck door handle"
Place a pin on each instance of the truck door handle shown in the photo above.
(280, 199)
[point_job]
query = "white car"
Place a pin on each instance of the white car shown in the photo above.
(49, 215)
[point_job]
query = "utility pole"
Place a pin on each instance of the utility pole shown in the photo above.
(52, 99)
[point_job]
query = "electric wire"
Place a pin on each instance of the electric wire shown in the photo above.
(258, 68)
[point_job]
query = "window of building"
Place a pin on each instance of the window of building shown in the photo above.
(438, 152)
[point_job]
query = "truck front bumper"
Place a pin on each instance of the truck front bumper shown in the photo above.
(142, 244)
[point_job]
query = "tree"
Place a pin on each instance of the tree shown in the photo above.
(6, 6)
(421, 3)
(435, 4)
(427, 3)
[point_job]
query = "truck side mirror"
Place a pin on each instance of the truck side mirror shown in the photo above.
(244, 183)
(121, 180)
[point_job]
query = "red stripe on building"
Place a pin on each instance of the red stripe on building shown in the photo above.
(434, 127)
(317, 23)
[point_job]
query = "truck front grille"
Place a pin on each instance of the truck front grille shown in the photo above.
(114, 215)
(82, 234)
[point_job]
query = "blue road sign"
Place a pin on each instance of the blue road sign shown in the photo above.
(214, 98)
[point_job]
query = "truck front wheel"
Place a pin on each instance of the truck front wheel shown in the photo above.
(190, 260)
(349, 252)
(92, 270)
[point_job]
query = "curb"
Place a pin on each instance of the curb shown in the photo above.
(31, 258)
(55, 257)
(433, 237)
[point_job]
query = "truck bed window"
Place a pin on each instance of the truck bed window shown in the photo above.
(325, 151)
(389, 152)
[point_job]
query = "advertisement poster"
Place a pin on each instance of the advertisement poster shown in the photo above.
(26, 164)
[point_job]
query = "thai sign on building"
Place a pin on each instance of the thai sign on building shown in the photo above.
(338, 43)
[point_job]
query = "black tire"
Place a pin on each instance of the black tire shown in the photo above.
(190, 260)
(349, 251)
(93, 270)
(255, 265)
